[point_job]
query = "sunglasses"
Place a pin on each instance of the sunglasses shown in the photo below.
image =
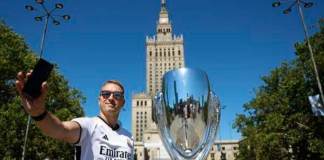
(117, 95)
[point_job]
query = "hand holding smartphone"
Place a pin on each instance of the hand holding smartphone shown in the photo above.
(41, 72)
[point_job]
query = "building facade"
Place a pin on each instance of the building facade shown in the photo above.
(224, 150)
(164, 52)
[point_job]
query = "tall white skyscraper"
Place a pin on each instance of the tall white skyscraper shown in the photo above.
(164, 52)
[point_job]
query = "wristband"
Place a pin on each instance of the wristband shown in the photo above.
(39, 117)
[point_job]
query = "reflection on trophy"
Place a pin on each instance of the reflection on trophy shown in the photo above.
(187, 114)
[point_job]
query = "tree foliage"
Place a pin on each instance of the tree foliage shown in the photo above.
(279, 123)
(64, 101)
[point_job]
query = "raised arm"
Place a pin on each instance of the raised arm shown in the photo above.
(49, 124)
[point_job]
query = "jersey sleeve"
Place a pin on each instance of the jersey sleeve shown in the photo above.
(86, 126)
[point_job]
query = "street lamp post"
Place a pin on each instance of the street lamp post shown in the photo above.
(47, 15)
(299, 4)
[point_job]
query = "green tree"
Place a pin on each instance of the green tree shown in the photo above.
(64, 101)
(279, 123)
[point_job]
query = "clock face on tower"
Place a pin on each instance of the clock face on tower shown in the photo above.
(164, 20)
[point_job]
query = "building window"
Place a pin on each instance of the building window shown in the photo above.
(179, 52)
(145, 103)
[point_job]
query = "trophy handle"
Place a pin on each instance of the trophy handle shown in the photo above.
(214, 104)
(212, 125)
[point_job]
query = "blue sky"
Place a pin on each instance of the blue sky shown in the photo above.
(234, 41)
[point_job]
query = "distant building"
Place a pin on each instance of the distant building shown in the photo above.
(164, 52)
(224, 150)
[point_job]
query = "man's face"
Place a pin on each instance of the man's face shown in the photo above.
(111, 98)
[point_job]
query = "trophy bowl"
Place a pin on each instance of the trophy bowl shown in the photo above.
(187, 114)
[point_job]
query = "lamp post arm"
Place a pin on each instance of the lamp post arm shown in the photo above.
(45, 9)
(52, 17)
(293, 4)
(310, 50)
(50, 12)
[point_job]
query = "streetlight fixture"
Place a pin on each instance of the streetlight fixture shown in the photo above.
(46, 14)
(299, 4)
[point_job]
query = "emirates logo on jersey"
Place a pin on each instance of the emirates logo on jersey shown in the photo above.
(114, 154)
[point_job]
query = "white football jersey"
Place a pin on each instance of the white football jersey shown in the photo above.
(99, 141)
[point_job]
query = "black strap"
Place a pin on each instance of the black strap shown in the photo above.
(39, 117)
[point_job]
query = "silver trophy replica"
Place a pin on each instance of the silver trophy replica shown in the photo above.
(187, 113)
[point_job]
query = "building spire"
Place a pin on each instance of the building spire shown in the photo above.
(164, 17)
(163, 3)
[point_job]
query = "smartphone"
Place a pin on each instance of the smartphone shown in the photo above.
(41, 72)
